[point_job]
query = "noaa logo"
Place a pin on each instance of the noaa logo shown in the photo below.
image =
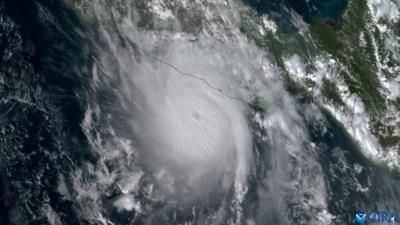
(361, 217)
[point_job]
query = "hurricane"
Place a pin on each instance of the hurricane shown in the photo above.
(187, 108)
(234, 112)
(188, 126)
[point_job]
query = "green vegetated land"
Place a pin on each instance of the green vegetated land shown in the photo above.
(363, 61)
(359, 50)
(353, 41)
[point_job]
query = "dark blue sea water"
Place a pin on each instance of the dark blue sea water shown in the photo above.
(312, 11)
(44, 68)
(315, 11)
(41, 66)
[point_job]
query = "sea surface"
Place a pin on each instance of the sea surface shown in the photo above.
(125, 116)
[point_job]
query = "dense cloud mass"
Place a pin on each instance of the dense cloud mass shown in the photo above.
(233, 112)
(187, 112)
(186, 126)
